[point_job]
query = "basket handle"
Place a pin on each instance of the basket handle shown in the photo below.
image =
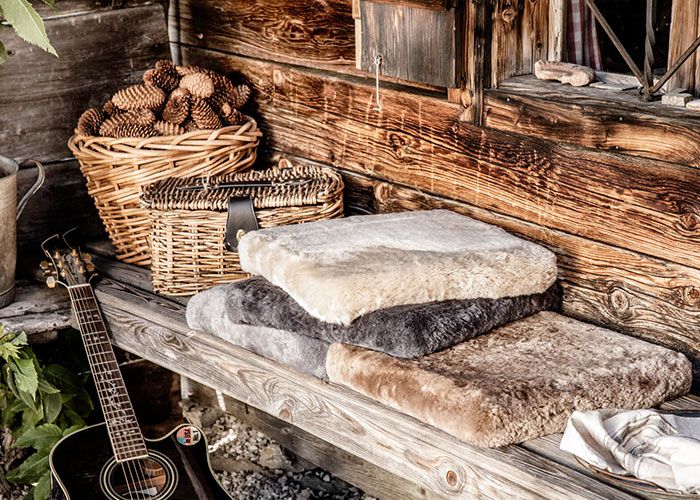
(241, 220)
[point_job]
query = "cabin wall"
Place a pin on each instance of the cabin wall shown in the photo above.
(101, 49)
(624, 221)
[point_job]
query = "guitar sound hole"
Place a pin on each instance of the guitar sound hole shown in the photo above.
(152, 478)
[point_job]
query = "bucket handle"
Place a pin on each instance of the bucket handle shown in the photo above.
(40, 178)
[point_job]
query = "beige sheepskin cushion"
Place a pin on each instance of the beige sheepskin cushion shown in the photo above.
(519, 382)
(341, 269)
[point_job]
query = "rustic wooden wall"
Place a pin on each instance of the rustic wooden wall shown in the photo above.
(101, 49)
(615, 195)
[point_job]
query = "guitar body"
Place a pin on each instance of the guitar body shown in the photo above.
(83, 467)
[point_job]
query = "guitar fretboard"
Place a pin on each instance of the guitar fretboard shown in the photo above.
(124, 431)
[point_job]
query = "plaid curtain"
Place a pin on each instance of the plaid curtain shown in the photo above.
(582, 35)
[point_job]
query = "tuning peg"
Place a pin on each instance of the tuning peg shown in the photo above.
(57, 255)
(90, 266)
(51, 282)
(87, 257)
(63, 274)
(74, 252)
(44, 264)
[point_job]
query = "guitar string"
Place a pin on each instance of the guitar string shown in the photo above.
(132, 472)
(79, 291)
(86, 294)
(90, 351)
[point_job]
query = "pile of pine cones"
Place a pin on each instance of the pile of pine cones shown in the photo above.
(171, 101)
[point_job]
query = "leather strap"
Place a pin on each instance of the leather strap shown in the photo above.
(241, 219)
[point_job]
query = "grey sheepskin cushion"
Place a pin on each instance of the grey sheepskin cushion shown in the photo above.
(404, 331)
(519, 382)
(340, 269)
(207, 312)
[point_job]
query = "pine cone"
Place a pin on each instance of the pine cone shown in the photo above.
(90, 121)
(189, 70)
(161, 79)
(178, 106)
(204, 116)
(137, 116)
(199, 85)
(134, 130)
(232, 116)
(167, 128)
(241, 95)
(223, 92)
(109, 109)
(139, 96)
(189, 125)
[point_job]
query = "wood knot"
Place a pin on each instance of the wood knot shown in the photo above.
(619, 303)
(688, 295)
(689, 220)
(508, 15)
(451, 477)
(284, 414)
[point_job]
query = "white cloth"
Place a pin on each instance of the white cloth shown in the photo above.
(663, 449)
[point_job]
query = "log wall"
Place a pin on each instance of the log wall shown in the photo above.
(614, 194)
(101, 49)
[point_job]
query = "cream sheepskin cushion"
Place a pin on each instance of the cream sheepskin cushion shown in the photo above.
(519, 382)
(341, 269)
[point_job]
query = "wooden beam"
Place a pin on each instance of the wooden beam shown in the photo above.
(154, 329)
(647, 206)
(685, 28)
(556, 38)
(373, 480)
(37, 311)
(317, 34)
(594, 118)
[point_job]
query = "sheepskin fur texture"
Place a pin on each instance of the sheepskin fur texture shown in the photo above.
(207, 312)
(520, 382)
(340, 269)
(403, 331)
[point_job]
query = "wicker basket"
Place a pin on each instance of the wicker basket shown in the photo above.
(117, 169)
(189, 227)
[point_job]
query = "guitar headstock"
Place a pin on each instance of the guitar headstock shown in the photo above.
(66, 264)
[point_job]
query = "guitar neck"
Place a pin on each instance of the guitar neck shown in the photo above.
(124, 431)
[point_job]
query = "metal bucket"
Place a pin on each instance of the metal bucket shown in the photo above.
(10, 211)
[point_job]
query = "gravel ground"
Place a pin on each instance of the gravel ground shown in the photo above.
(252, 466)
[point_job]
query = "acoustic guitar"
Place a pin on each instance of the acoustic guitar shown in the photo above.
(112, 459)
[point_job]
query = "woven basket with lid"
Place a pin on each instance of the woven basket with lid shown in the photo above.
(116, 169)
(188, 219)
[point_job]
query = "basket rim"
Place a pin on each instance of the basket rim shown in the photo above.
(78, 141)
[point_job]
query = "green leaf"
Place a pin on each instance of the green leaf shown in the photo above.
(43, 488)
(10, 343)
(50, 3)
(41, 437)
(24, 370)
(47, 388)
(63, 378)
(3, 53)
(27, 23)
(9, 413)
(72, 429)
(52, 406)
(31, 469)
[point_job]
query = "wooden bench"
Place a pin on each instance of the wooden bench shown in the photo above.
(422, 461)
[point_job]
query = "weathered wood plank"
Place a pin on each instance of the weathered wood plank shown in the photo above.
(36, 299)
(519, 37)
(61, 204)
(362, 427)
(685, 28)
(650, 207)
(415, 44)
(373, 480)
(315, 33)
(594, 118)
(42, 96)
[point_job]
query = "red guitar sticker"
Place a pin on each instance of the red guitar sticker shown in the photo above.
(188, 435)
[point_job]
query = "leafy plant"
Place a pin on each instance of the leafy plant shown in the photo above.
(22, 16)
(40, 404)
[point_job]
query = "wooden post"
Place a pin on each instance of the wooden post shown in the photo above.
(557, 30)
